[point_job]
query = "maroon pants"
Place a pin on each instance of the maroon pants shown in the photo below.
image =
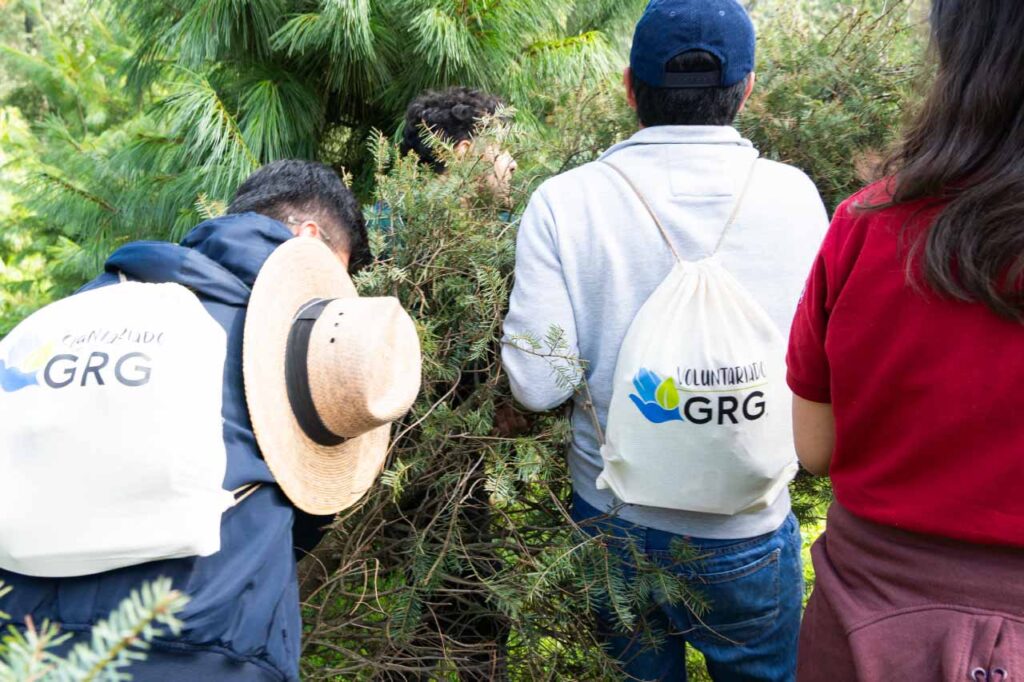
(894, 605)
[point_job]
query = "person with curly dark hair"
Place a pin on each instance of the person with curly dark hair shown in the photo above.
(453, 116)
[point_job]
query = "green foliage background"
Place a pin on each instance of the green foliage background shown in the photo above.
(123, 119)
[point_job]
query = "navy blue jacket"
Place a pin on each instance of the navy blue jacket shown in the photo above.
(243, 620)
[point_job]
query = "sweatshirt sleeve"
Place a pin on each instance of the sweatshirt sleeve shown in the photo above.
(539, 304)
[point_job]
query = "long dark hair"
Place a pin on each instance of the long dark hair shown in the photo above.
(966, 150)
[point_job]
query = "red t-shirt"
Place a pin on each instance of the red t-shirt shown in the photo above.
(928, 393)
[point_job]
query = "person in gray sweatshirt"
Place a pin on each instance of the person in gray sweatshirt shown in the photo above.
(589, 255)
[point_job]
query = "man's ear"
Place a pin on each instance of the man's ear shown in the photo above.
(462, 147)
(308, 229)
(627, 81)
(751, 79)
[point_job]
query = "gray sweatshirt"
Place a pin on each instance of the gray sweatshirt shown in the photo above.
(588, 256)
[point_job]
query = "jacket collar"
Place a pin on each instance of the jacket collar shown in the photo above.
(661, 135)
(219, 259)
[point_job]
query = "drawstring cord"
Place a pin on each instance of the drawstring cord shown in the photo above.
(244, 491)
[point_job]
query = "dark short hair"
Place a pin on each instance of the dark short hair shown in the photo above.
(689, 106)
(451, 114)
(310, 191)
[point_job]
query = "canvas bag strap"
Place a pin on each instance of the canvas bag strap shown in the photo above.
(588, 400)
(661, 228)
(650, 211)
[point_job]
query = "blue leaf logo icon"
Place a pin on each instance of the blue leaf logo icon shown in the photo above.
(655, 397)
(21, 369)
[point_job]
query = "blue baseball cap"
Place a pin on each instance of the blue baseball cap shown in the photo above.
(669, 28)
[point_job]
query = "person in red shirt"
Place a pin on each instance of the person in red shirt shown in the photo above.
(907, 362)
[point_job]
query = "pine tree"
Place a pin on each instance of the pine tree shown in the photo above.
(231, 85)
(220, 87)
(63, 113)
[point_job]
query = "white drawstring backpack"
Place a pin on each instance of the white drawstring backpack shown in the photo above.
(700, 411)
(111, 436)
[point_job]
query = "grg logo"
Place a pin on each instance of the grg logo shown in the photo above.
(659, 402)
(31, 363)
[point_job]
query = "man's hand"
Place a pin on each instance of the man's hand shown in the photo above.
(510, 422)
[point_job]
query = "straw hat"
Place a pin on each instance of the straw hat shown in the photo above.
(326, 372)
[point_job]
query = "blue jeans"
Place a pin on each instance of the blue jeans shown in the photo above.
(753, 587)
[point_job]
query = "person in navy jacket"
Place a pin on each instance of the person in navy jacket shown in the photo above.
(243, 620)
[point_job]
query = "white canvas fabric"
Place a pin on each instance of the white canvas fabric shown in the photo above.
(700, 412)
(111, 436)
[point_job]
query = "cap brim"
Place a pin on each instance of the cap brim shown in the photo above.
(317, 479)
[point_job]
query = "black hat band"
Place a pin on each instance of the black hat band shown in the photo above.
(296, 374)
